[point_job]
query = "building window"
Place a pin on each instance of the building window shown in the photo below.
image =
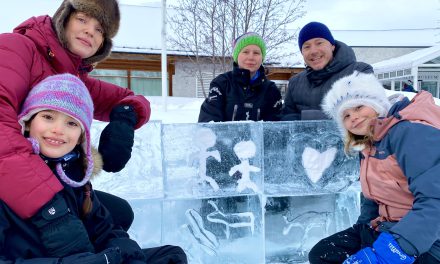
(398, 85)
(430, 86)
(386, 85)
(146, 83)
(140, 82)
(118, 77)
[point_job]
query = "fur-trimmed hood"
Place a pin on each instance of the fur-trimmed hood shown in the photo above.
(105, 11)
(98, 163)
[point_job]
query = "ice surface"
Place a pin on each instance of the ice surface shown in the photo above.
(147, 226)
(237, 192)
(347, 207)
(215, 159)
(306, 157)
(216, 230)
(142, 177)
(294, 224)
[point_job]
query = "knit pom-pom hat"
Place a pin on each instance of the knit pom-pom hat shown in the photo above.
(314, 30)
(105, 11)
(67, 94)
(247, 39)
(355, 90)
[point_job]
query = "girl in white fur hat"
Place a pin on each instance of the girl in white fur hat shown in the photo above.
(399, 148)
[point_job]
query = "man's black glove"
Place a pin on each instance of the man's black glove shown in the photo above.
(61, 232)
(110, 255)
(117, 138)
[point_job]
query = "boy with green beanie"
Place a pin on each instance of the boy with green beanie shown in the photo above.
(244, 93)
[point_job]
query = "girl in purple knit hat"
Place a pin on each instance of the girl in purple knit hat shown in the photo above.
(76, 38)
(56, 118)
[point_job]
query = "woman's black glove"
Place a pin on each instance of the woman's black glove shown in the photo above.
(130, 251)
(117, 138)
(61, 232)
(110, 255)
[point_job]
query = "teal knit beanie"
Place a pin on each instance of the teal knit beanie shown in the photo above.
(249, 38)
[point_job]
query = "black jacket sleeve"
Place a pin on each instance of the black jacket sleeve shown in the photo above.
(273, 111)
(213, 108)
(290, 111)
(369, 211)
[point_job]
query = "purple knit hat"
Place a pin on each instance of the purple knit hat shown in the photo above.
(67, 94)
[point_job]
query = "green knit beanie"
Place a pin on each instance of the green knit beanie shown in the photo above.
(247, 39)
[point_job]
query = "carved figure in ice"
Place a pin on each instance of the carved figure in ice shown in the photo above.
(315, 162)
(244, 151)
(234, 220)
(306, 222)
(205, 139)
(207, 240)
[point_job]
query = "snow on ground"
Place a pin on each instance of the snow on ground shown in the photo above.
(178, 109)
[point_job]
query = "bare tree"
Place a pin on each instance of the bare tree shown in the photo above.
(206, 29)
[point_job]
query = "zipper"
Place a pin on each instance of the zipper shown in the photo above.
(235, 112)
(258, 114)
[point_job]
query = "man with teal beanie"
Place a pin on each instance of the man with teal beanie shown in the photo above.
(327, 60)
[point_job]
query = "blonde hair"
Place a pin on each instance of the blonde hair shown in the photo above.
(354, 143)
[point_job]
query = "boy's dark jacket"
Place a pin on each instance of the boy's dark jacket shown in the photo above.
(20, 240)
(232, 98)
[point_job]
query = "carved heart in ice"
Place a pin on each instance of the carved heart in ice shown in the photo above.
(315, 162)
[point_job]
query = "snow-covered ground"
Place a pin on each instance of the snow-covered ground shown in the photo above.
(178, 109)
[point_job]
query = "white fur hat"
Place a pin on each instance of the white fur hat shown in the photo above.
(354, 90)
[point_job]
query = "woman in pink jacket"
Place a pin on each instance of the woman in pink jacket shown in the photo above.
(78, 36)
